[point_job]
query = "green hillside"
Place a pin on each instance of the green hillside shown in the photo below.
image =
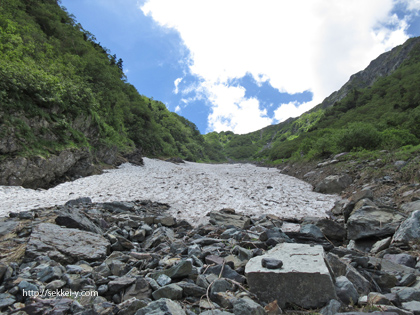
(60, 89)
(378, 109)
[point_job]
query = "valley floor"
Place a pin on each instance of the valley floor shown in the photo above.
(191, 189)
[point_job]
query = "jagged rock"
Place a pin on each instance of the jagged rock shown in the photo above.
(226, 219)
(413, 306)
(346, 291)
(161, 307)
(409, 294)
(227, 272)
(170, 291)
(191, 289)
(73, 218)
(135, 157)
(78, 201)
(304, 279)
(407, 280)
(334, 184)
(402, 259)
(160, 235)
(410, 207)
(377, 298)
(66, 245)
(246, 306)
(120, 283)
(381, 245)
(38, 172)
(181, 270)
(129, 307)
(368, 220)
(165, 220)
(220, 285)
(362, 194)
(331, 229)
(274, 233)
(332, 308)
(118, 206)
(313, 230)
(362, 285)
(140, 290)
(409, 230)
(391, 267)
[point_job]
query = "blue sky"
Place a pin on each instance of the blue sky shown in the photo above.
(241, 65)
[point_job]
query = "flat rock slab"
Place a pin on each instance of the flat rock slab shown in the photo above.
(303, 280)
(66, 246)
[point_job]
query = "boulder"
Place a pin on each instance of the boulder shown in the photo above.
(140, 290)
(346, 291)
(66, 246)
(409, 230)
(160, 235)
(227, 219)
(246, 306)
(73, 218)
(181, 270)
(410, 207)
(333, 184)
(303, 280)
(170, 291)
(402, 259)
(368, 220)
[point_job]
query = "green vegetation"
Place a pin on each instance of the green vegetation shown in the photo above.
(60, 88)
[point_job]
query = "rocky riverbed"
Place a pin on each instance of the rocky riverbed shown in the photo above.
(141, 257)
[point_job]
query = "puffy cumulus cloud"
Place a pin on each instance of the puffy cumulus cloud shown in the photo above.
(233, 111)
(296, 45)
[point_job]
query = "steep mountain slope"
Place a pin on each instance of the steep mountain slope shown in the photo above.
(383, 98)
(65, 105)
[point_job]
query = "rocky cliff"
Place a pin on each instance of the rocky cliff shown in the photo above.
(382, 66)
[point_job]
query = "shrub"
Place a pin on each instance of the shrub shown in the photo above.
(359, 135)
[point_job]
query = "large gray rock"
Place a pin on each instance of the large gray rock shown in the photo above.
(227, 219)
(413, 306)
(334, 184)
(346, 291)
(409, 230)
(36, 171)
(246, 306)
(181, 270)
(160, 235)
(66, 246)
(73, 218)
(170, 291)
(161, 307)
(304, 279)
(410, 207)
(368, 220)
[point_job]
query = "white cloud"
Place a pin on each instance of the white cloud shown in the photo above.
(177, 109)
(176, 83)
(232, 111)
(412, 5)
(296, 45)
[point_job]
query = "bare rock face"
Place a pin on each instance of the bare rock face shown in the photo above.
(303, 280)
(66, 246)
(38, 172)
